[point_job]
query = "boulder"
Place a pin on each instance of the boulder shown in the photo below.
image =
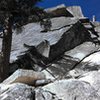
(16, 91)
(92, 78)
(75, 11)
(72, 90)
(24, 76)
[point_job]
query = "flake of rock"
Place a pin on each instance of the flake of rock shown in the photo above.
(60, 22)
(82, 50)
(75, 11)
(72, 90)
(59, 11)
(16, 91)
(24, 76)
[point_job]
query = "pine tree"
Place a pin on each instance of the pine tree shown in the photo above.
(9, 10)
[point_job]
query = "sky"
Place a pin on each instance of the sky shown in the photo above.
(89, 7)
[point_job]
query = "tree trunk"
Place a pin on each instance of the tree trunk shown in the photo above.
(6, 49)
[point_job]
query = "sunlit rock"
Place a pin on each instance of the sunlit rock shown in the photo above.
(16, 91)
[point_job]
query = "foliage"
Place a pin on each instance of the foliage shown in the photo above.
(11, 12)
(19, 9)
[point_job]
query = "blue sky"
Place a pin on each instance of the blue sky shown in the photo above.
(89, 7)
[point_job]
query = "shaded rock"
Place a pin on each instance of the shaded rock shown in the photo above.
(58, 11)
(60, 67)
(84, 20)
(72, 90)
(33, 56)
(90, 27)
(75, 36)
(16, 91)
(24, 76)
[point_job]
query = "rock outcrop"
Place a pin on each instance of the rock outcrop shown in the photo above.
(65, 59)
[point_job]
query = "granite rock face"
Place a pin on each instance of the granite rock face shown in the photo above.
(72, 90)
(65, 59)
(17, 91)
